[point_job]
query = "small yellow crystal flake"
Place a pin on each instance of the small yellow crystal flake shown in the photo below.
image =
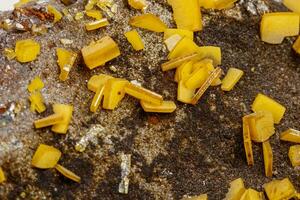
(274, 27)
(100, 52)
(65, 60)
(183, 48)
(55, 12)
(98, 81)
(211, 52)
(27, 50)
(138, 4)
(187, 15)
(45, 157)
(290, 135)
(294, 155)
(236, 190)
(247, 141)
(293, 5)
(251, 194)
(2, 176)
(296, 45)
(149, 22)
(165, 107)
(183, 33)
(37, 102)
(143, 94)
(280, 189)
(67, 173)
(232, 77)
(9, 53)
(174, 63)
(96, 24)
(263, 102)
(96, 14)
(135, 40)
(36, 84)
(200, 197)
(268, 158)
(224, 4)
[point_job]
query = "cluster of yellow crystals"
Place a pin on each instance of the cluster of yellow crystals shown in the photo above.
(36, 98)
(55, 12)
(112, 90)
(65, 60)
(47, 157)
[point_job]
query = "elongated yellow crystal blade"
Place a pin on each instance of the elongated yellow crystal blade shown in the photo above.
(290, 135)
(165, 107)
(67, 173)
(268, 158)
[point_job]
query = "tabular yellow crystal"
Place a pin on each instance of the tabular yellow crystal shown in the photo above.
(279, 189)
(268, 158)
(100, 52)
(114, 92)
(293, 5)
(55, 12)
(294, 155)
(45, 157)
(200, 197)
(165, 107)
(96, 14)
(149, 22)
(37, 102)
(174, 63)
(67, 111)
(210, 52)
(27, 50)
(247, 141)
(172, 41)
(224, 4)
(296, 45)
(236, 190)
(143, 94)
(187, 14)
(263, 102)
(183, 33)
(232, 77)
(135, 40)
(35, 84)
(65, 60)
(290, 135)
(184, 71)
(97, 99)
(275, 27)
(137, 4)
(184, 47)
(67, 173)
(184, 94)
(207, 4)
(2, 176)
(9, 53)
(251, 194)
(96, 24)
(97, 81)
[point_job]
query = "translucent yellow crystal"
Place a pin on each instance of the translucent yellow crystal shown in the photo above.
(45, 157)
(184, 71)
(2, 176)
(263, 102)
(294, 155)
(165, 107)
(187, 15)
(27, 50)
(293, 5)
(172, 41)
(67, 173)
(35, 84)
(268, 158)
(184, 94)
(184, 47)
(97, 99)
(100, 52)
(274, 27)
(251, 194)
(137, 4)
(9, 53)
(96, 24)
(37, 102)
(114, 92)
(174, 63)
(135, 40)
(236, 190)
(143, 94)
(183, 33)
(247, 141)
(200, 197)
(296, 45)
(210, 52)
(232, 77)
(279, 189)
(98, 81)
(96, 14)
(55, 12)
(290, 135)
(149, 22)
(65, 60)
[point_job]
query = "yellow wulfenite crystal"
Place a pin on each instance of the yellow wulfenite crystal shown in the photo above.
(35, 84)
(65, 60)
(96, 14)
(67, 173)
(187, 14)
(184, 94)
(207, 4)
(22, 3)
(224, 4)
(294, 155)
(45, 157)
(96, 24)
(149, 22)
(200, 197)
(210, 52)
(268, 158)
(98, 81)
(9, 53)
(247, 141)
(251, 194)
(97, 99)
(184, 71)
(100, 52)
(184, 47)
(183, 33)
(293, 5)
(165, 107)
(37, 102)
(279, 189)
(55, 12)
(135, 40)
(232, 77)
(236, 190)
(296, 45)
(290, 135)
(174, 63)
(27, 50)
(2, 176)
(172, 41)
(264, 103)
(275, 27)
(137, 4)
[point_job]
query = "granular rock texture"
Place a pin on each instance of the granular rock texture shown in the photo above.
(197, 149)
